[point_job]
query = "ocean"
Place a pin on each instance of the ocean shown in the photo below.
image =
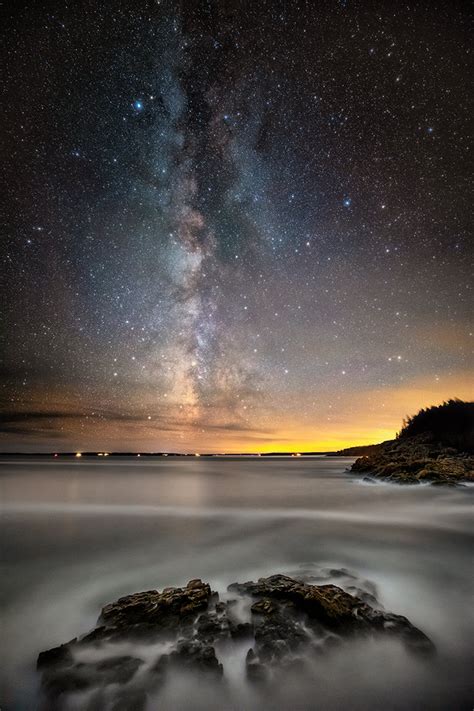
(77, 534)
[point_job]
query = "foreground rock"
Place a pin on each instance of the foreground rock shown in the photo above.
(411, 460)
(285, 620)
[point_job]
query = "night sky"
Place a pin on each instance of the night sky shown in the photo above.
(233, 226)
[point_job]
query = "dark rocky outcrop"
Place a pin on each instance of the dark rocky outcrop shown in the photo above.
(291, 615)
(436, 445)
(286, 621)
(151, 612)
(58, 656)
(61, 678)
(411, 460)
(192, 655)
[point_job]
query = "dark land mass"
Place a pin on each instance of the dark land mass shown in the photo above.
(285, 620)
(436, 445)
(359, 451)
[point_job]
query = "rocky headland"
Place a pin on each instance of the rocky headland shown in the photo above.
(414, 460)
(435, 446)
(279, 622)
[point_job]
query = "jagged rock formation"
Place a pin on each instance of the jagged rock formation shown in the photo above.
(435, 445)
(285, 620)
(411, 460)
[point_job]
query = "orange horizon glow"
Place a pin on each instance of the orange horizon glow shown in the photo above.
(360, 418)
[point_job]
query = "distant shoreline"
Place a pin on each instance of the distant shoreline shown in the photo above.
(102, 455)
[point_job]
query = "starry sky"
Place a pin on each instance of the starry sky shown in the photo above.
(233, 225)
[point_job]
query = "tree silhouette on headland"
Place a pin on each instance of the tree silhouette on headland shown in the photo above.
(451, 424)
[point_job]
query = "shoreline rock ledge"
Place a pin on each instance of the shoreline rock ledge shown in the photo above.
(413, 460)
(281, 621)
(435, 446)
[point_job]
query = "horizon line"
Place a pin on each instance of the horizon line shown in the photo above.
(103, 453)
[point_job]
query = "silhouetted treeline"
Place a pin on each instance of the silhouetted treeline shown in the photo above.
(451, 423)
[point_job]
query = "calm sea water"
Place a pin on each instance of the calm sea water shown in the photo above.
(78, 534)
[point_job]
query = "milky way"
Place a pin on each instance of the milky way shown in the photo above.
(233, 225)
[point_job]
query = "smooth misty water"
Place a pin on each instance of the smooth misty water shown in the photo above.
(78, 534)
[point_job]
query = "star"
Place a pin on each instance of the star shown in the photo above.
(234, 180)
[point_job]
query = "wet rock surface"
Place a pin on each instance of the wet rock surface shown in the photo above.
(151, 613)
(413, 460)
(280, 622)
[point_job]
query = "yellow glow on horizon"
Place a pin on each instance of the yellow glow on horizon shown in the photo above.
(305, 422)
(363, 417)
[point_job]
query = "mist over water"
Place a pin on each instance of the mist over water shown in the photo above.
(79, 534)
